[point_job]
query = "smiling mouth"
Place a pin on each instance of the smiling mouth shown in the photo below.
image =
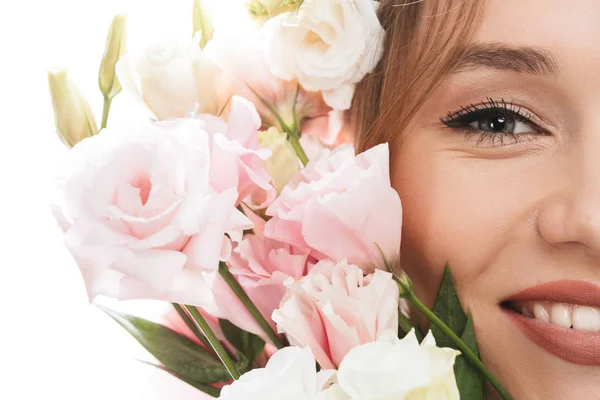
(573, 316)
(562, 317)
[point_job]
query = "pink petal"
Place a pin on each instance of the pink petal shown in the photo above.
(286, 231)
(156, 268)
(204, 248)
(299, 318)
(192, 287)
(224, 173)
(61, 219)
(257, 221)
(326, 128)
(351, 225)
(341, 337)
(243, 123)
(231, 308)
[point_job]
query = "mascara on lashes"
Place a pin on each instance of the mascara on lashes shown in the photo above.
(486, 111)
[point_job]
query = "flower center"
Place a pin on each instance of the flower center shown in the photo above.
(312, 39)
(144, 185)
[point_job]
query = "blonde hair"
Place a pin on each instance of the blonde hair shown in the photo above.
(423, 41)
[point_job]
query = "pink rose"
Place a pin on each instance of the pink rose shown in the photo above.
(261, 266)
(141, 214)
(336, 308)
(341, 206)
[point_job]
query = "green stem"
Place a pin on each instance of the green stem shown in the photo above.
(105, 111)
(241, 294)
(293, 134)
(202, 325)
(409, 295)
(295, 126)
(190, 324)
(272, 109)
(407, 292)
(295, 142)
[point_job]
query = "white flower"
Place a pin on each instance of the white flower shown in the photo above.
(394, 369)
(328, 46)
(172, 77)
(290, 374)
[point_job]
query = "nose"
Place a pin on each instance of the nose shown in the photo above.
(572, 214)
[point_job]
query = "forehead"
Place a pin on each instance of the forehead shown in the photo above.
(562, 26)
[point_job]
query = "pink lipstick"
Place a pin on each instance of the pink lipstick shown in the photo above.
(562, 317)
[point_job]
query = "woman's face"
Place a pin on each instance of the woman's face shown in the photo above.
(506, 188)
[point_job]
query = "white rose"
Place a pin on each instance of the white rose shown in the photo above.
(394, 369)
(290, 374)
(172, 77)
(328, 46)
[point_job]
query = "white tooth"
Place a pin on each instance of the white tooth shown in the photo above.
(560, 315)
(540, 312)
(526, 312)
(586, 318)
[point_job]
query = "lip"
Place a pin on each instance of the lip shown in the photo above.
(570, 292)
(578, 347)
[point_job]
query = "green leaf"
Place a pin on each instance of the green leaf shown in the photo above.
(447, 307)
(248, 345)
(471, 383)
(189, 361)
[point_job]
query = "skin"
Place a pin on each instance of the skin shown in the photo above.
(514, 216)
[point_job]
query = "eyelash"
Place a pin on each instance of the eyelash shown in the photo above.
(488, 109)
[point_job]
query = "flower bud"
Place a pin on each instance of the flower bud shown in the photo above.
(404, 284)
(202, 23)
(262, 10)
(283, 163)
(73, 117)
(115, 48)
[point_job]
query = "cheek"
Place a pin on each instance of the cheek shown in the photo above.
(460, 210)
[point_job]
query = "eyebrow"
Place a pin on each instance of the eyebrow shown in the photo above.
(499, 56)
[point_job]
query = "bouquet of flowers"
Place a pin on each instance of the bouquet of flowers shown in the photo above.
(242, 202)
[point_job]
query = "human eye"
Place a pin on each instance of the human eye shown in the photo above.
(494, 122)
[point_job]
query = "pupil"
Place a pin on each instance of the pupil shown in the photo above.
(498, 124)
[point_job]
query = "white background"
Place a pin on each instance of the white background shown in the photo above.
(53, 344)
